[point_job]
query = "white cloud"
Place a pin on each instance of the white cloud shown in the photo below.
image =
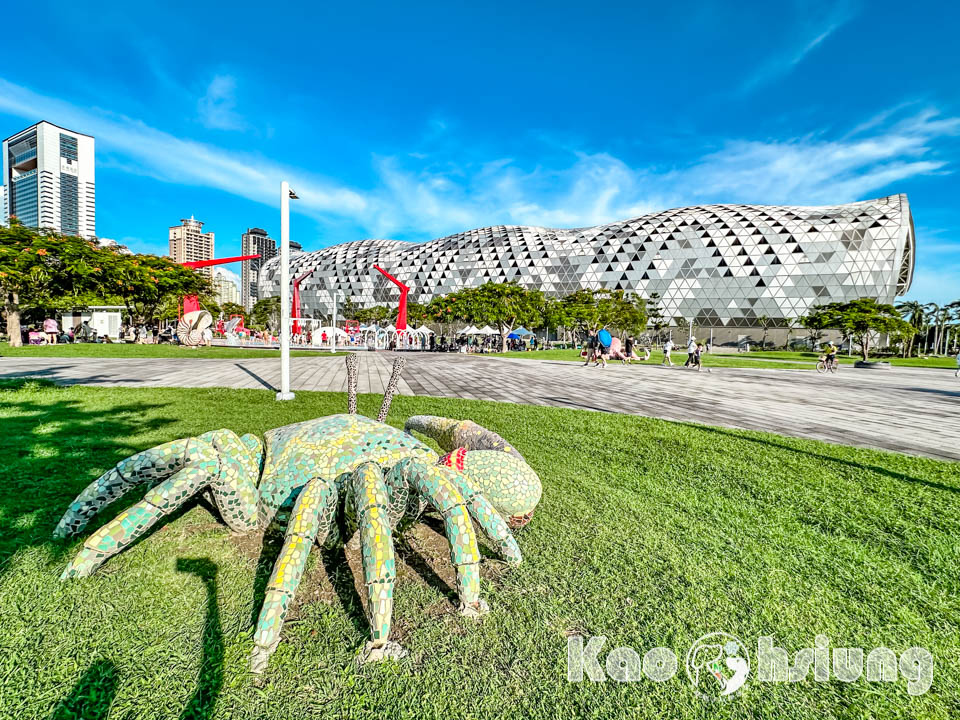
(596, 188)
(139, 148)
(217, 106)
(426, 194)
(814, 25)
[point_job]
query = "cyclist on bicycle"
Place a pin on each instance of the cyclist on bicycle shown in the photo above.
(831, 352)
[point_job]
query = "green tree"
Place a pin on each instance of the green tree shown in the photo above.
(416, 315)
(815, 322)
(791, 323)
(915, 313)
(349, 310)
(231, 308)
(144, 283)
(266, 313)
(860, 319)
(656, 319)
(44, 269)
(621, 311)
(765, 322)
(504, 305)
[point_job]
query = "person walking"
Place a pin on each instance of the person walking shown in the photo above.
(590, 347)
(667, 349)
(698, 357)
(51, 329)
(691, 351)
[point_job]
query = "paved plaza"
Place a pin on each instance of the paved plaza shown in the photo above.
(906, 410)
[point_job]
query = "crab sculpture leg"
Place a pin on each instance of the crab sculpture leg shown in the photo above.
(327, 479)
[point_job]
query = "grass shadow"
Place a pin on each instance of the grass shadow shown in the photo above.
(210, 682)
(92, 696)
(270, 548)
(738, 435)
(47, 443)
(344, 585)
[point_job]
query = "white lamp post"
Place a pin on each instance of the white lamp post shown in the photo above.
(333, 321)
(286, 194)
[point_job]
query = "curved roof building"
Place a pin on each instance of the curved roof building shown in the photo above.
(720, 265)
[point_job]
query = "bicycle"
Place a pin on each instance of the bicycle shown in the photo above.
(824, 366)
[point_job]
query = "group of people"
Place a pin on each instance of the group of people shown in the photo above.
(49, 333)
(145, 334)
(598, 353)
(695, 352)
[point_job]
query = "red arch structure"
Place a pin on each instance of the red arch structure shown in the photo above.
(192, 302)
(402, 311)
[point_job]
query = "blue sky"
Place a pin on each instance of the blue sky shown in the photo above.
(416, 120)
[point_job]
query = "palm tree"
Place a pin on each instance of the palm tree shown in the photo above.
(954, 310)
(932, 310)
(765, 322)
(915, 313)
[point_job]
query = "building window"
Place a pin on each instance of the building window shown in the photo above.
(69, 211)
(68, 147)
(23, 199)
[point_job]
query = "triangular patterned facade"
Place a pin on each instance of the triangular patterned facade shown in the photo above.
(719, 265)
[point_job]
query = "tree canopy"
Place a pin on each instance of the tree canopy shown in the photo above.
(859, 319)
(503, 305)
(45, 269)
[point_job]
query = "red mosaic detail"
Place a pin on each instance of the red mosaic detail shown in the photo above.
(454, 459)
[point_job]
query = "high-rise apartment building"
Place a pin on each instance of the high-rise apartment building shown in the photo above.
(48, 180)
(225, 289)
(253, 242)
(189, 243)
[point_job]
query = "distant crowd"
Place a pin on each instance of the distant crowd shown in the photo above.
(601, 347)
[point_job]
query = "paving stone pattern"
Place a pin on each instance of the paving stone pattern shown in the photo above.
(915, 411)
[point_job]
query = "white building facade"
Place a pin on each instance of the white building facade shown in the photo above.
(189, 243)
(49, 180)
(718, 266)
(225, 289)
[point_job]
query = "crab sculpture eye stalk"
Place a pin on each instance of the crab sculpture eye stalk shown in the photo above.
(322, 482)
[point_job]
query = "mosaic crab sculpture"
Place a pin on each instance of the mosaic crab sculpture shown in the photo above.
(322, 481)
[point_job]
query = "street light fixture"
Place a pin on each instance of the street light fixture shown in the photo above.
(286, 195)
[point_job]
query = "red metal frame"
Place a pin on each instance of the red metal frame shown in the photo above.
(402, 310)
(192, 302)
(295, 310)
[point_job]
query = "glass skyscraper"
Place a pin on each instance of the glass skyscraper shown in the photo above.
(49, 180)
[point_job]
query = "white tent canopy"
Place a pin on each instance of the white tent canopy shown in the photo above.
(487, 330)
(390, 328)
(471, 330)
(425, 329)
(327, 329)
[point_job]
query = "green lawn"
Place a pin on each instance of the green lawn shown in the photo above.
(118, 350)
(651, 533)
(770, 359)
(656, 358)
(925, 362)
